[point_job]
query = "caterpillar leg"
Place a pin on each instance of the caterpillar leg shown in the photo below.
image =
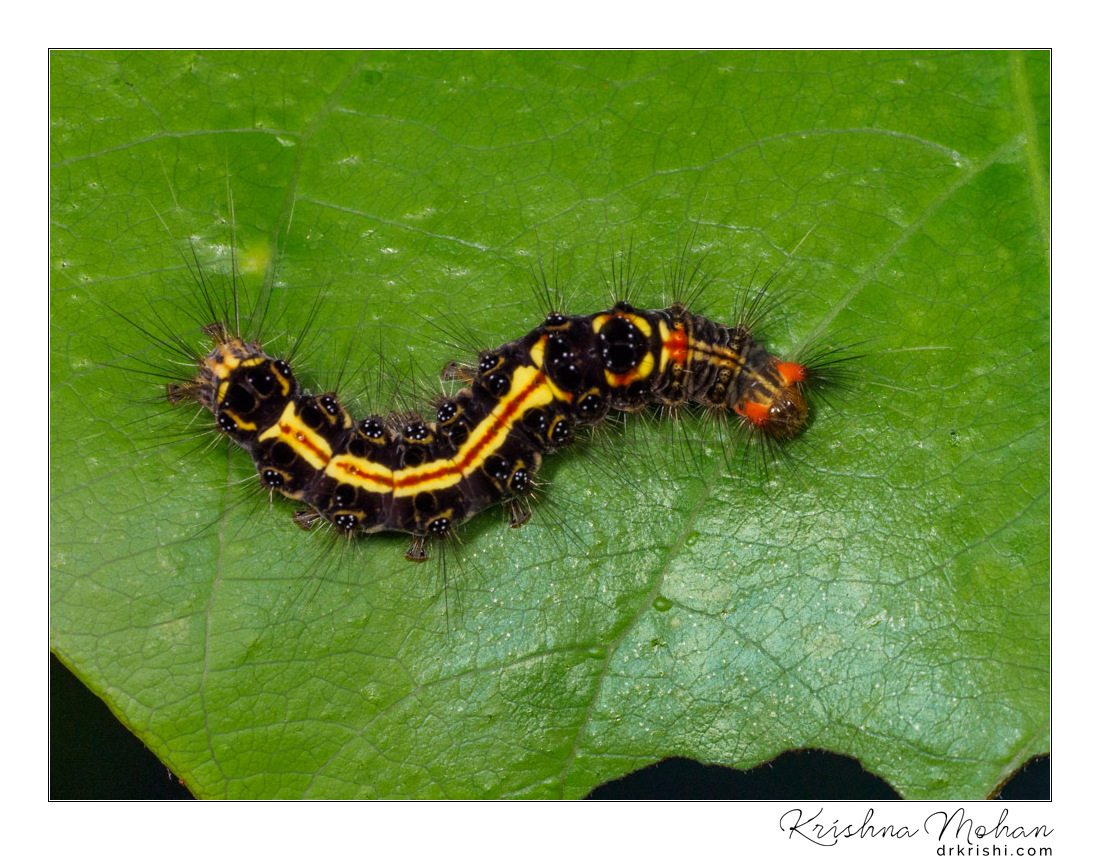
(455, 370)
(417, 550)
(305, 519)
(519, 512)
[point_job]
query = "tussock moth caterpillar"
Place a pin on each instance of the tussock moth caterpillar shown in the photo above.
(521, 401)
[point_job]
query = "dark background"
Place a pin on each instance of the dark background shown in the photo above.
(93, 756)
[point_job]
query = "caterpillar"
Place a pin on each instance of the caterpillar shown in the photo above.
(521, 401)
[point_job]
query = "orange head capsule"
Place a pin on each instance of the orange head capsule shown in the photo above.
(776, 404)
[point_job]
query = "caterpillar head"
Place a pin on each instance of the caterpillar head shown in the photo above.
(775, 404)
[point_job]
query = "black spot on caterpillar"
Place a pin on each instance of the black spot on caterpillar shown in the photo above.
(520, 402)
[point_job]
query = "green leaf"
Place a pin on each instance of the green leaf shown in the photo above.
(883, 592)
